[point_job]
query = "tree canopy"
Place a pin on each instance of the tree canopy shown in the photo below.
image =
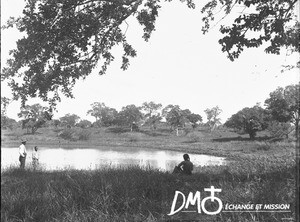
(64, 40)
(34, 116)
(283, 105)
(248, 120)
(261, 21)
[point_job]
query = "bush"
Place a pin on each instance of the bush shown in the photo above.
(133, 136)
(67, 134)
(84, 135)
(194, 137)
(279, 130)
(75, 134)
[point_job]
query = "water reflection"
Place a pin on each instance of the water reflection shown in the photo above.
(59, 158)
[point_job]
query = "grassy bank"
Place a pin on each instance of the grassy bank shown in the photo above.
(263, 173)
(135, 194)
(201, 141)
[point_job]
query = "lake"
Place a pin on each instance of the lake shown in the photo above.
(93, 158)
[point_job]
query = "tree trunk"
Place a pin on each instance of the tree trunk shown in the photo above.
(177, 131)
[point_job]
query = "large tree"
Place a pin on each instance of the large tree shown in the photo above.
(284, 105)
(175, 116)
(65, 39)
(96, 110)
(194, 119)
(249, 120)
(212, 115)
(130, 115)
(69, 120)
(152, 115)
(105, 116)
(34, 116)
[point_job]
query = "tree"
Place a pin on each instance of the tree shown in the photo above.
(108, 116)
(152, 115)
(69, 39)
(175, 116)
(84, 124)
(104, 115)
(130, 115)
(260, 21)
(248, 120)
(35, 116)
(195, 119)
(6, 122)
(55, 123)
(69, 120)
(4, 103)
(212, 115)
(96, 110)
(284, 105)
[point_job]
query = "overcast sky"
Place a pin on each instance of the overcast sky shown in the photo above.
(179, 65)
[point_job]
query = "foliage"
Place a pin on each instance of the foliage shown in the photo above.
(96, 110)
(175, 116)
(212, 116)
(249, 120)
(84, 124)
(4, 103)
(7, 122)
(104, 115)
(130, 115)
(74, 134)
(67, 134)
(283, 105)
(258, 22)
(83, 134)
(35, 116)
(195, 119)
(69, 120)
(279, 129)
(109, 116)
(64, 41)
(152, 115)
(56, 123)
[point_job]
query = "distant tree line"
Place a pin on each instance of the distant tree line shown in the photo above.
(280, 116)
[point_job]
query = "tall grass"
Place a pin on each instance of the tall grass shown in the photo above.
(135, 194)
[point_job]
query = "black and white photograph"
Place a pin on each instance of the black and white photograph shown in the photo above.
(150, 110)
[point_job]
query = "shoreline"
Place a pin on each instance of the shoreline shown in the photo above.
(118, 145)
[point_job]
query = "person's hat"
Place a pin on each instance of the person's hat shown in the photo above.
(23, 140)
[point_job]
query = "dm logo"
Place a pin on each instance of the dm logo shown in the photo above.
(196, 199)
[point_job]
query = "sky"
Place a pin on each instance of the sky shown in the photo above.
(178, 65)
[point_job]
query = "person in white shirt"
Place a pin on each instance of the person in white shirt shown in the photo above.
(35, 157)
(23, 153)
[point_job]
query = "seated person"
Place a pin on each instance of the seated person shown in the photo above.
(185, 167)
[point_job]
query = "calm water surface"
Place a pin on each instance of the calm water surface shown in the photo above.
(88, 158)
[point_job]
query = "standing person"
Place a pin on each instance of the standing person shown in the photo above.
(35, 157)
(185, 167)
(23, 153)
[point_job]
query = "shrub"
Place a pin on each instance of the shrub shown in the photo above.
(68, 134)
(279, 130)
(194, 137)
(133, 136)
(84, 135)
(74, 134)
